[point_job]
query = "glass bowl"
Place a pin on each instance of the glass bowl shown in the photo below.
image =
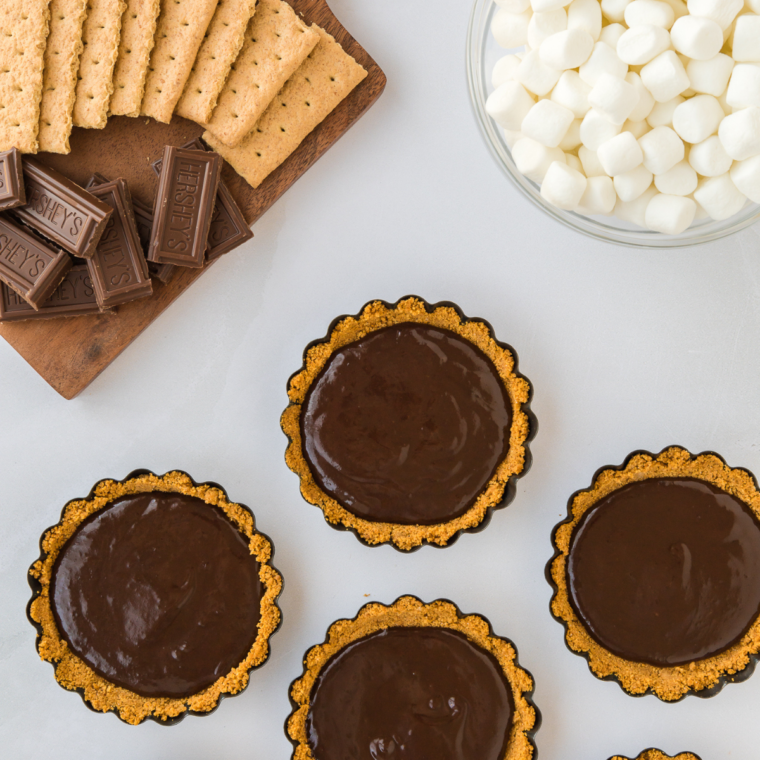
(482, 53)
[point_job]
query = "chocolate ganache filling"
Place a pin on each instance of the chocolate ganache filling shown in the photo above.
(158, 593)
(666, 571)
(412, 693)
(406, 425)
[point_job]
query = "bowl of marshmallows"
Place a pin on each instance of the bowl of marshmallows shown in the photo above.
(633, 121)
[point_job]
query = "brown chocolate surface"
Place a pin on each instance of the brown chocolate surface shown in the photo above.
(406, 425)
(74, 297)
(12, 190)
(411, 693)
(158, 593)
(666, 571)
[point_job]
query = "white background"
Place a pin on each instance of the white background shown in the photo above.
(625, 350)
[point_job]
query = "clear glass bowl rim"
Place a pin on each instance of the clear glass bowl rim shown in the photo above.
(477, 78)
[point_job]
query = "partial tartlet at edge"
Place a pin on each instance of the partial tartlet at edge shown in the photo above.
(497, 492)
(411, 612)
(702, 677)
(98, 693)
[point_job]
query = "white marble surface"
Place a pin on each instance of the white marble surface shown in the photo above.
(625, 349)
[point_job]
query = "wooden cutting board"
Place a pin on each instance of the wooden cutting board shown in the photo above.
(70, 353)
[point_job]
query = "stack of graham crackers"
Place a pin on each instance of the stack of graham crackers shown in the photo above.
(249, 71)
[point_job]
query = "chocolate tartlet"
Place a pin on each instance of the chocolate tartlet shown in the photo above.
(657, 574)
(656, 754)
(154, 597)
(408, 423)
(413, 679)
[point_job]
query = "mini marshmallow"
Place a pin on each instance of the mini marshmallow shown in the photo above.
(720, 197)
(613, 97)
(574, 162)
(572, 92)
(504, 70)
(543, 25)
(636, 128)
(739, 133)
(541, 6)
(746, 40)
(513, 6)
(646, 101)
(567, 50)
(662, 148)
(680, 180)
(510, 137)
(746, 176)
(635, 211)
(562, 186)
(611, 34)
(641, 44)
(598, 198)
(590, 161)
(722, 12)
(572, 138)
(535, 76)
(620, 154)
(533, 159)
(602, 60)
(697, 118)
(585, 14)
(547, 122)
(632, 184)
(662, 113)
(753, 5)
(508, 105)
(665, 76)
(614, 10)
(596, 129)
(510, 30)
(744, 87)
(709, 158)
(697, 37)
(651, 12)
(710, 77)
(669, 214)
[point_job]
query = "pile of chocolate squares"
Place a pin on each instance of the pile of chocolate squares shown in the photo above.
(70, 251)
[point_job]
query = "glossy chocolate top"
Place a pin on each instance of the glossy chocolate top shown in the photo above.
(666, 571)
(158, 593)
(406, 425)
(411, 694)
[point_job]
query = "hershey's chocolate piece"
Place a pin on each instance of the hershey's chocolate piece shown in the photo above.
(184, 206)
(12, 191)
(96, 179)
(28, 265)
(144, 220)
(118, 269)
(62, 211)
(228, 226)
(74, 297)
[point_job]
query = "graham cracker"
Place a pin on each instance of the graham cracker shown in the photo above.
(322, 81)
(102, 30)
(59, 79)
(23, 32)
(179, 34)
(138, 28)
(276, 44)
(220, 48)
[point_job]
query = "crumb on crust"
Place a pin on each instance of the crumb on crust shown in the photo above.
(656, 754)
(72, 673)
(375, 316)
(667, 683)
(411, 612)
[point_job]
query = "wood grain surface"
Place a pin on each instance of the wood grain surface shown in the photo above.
(70, 353)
